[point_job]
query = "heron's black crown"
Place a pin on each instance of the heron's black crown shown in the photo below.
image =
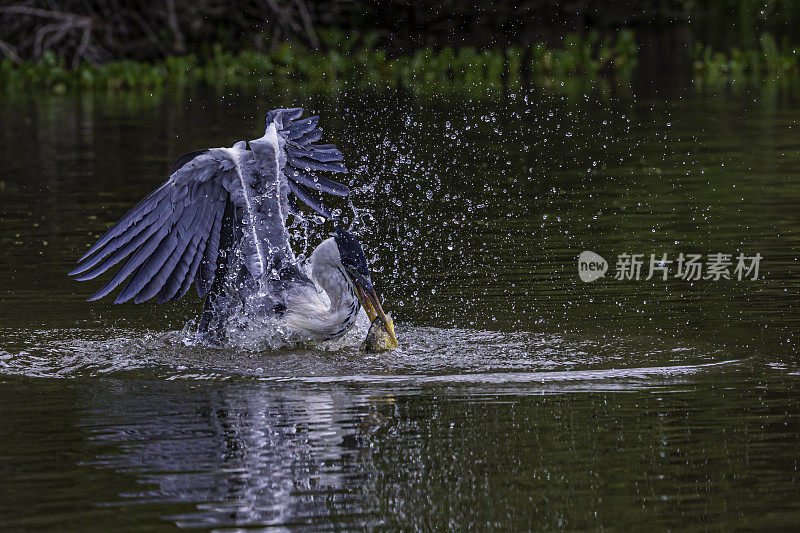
(351, 253)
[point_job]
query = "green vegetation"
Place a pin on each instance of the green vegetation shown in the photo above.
(769, 64)
(581, 62)
(339, 58)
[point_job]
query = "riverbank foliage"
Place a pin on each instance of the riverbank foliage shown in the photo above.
(437, 47)
(339, 59)
(768, 64)
(580, 62)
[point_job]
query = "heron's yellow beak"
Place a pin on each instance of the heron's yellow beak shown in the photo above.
(369, 299)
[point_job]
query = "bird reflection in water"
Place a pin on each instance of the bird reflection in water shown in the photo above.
(260, 458)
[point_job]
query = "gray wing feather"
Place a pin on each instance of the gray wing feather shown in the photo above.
(208, 267)
(192, 272)
(119, 231)
(157, 234)
(316, 152)
(302, 163)
(155, 273)
(302, 157)
(297, 128)
(157, 282)
(310, 137)
(135, 261)
(177, 277)
(320, 183)
(310, 200)
(122, 246)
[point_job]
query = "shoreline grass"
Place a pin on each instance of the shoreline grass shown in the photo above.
(770, 64)
(580, 62)
(340, 58)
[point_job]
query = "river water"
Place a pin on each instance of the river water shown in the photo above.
(521, 398)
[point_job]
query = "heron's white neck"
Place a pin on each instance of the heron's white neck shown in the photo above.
(312, 313)
(327, 272)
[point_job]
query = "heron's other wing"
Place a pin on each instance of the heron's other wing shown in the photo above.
(262, 197)
(171, 238)
(302, 161)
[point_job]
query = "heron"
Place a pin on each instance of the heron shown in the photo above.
(220, 221)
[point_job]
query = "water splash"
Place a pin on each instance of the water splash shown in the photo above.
(426, 356)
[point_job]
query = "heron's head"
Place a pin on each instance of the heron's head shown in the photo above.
(355, 265)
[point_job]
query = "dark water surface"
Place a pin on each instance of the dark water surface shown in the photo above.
(522, 397)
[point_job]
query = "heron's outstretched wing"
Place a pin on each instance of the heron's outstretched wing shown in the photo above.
(171, 238)
(302, 160)
(283, 162)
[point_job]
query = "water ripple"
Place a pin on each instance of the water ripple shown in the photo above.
(428, 356)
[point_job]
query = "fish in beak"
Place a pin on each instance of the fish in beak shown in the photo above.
(372, 305)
